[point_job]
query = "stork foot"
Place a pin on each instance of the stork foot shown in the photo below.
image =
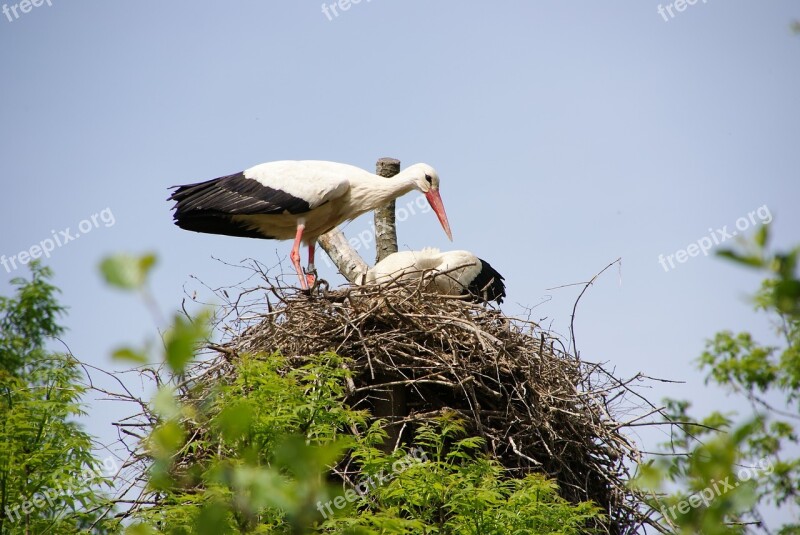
(317, 288)
(311, 277)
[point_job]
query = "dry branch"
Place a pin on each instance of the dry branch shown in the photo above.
(350, 264)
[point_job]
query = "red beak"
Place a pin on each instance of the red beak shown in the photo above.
(435, 201)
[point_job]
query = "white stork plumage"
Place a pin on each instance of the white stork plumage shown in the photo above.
(451, 272)
(296, 199)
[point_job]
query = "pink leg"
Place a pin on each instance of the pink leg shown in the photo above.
(310, 272)
(295, 256)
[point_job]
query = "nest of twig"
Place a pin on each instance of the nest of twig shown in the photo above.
(415, 355)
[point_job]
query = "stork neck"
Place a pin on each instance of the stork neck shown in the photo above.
(377, 191)
(395, 186)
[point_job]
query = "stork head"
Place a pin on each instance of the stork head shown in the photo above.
(426, 180)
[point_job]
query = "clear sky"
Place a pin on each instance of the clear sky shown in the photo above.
(566, 135)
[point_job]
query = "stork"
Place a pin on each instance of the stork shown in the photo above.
(296, 199)
(453, 273)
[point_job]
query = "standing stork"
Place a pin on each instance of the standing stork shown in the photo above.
(296, 199)
(452, 273)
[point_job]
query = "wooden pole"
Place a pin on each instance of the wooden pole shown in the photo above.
(385, 227)
(394, 406)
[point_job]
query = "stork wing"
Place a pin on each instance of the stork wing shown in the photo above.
(488, 284)
(271, 188)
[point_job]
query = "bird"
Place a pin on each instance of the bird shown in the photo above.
(296, 199)
(453, 273)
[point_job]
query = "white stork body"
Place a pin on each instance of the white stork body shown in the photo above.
(451, 272)
(298, 200)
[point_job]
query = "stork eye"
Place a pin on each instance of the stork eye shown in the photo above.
(429, 178)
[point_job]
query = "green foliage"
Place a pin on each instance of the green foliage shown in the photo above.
(267, 439)
(256, 453)
(446, 485)
(28, 320)
(273, 434)
(754, 458)
(781, 291)
(718, 479)
(49, 480)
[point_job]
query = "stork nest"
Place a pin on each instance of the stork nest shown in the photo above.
(415, 355)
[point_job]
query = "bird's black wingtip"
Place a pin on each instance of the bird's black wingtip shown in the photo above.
(488, 285)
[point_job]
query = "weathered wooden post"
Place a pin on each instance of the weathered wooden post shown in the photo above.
(393, 407)
(385, 227)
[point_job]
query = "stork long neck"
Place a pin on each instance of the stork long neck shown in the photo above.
(375, 191)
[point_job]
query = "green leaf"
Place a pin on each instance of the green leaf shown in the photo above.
(747, 260)
(126, 271)
(128, 354)
(166, 439)
(182, 339)
(140, 529)
(235, 420)
(787, 296)
(305, 460)
(213, 520)
(165, 404)
(762, 236)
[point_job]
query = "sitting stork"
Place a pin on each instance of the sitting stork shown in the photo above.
(296, 199)
(452, 272)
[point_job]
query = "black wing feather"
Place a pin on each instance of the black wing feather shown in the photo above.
(235, 195)
(208, 206)
(488, 285)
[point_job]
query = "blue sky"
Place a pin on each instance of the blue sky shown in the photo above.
(566, 135)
